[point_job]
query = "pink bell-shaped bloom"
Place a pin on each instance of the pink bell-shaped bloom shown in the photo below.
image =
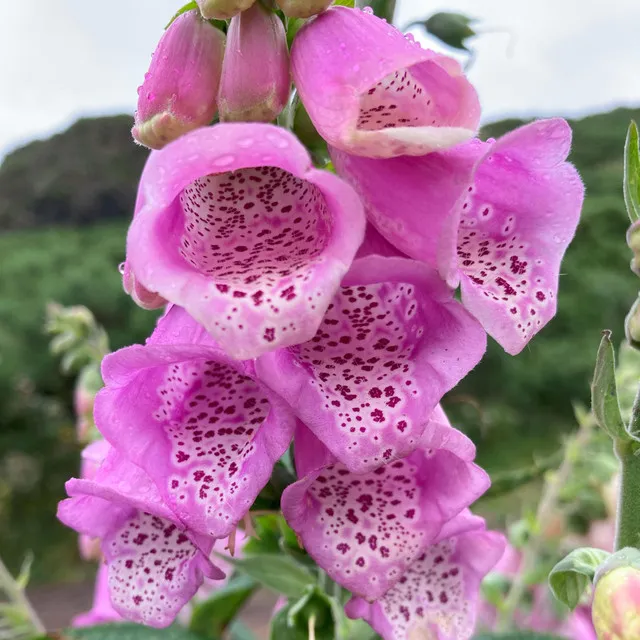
(495, 217)
(197, 422)
(371, 91)
(365, 530)
(102, 610)
(222, 9)
(437, 596)
(180, 89)
(391, 344)
(255, 73)
(303, 8)
(155, 564)
(238, 228)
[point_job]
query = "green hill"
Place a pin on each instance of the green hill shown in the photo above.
(64, 207)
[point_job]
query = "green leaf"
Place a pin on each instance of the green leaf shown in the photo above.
(604, 395)
(277, 572)
(631, 183)
(211, 618)
(190, 6)
(126, 631)
(571, 576)
(451, 28)
(345, 3)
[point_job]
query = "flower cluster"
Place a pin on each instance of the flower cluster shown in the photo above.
(317, 309)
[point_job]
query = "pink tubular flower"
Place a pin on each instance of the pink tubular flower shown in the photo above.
(155, 565)
(102, 610)
(365, 530)
(237, 227)
(255, 73)
(371, 91)
(495, 217)
(197, 422)
(179, 91)
(437, 596)
(391, 344)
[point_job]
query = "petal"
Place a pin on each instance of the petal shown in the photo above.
(154, 569)
(417, 214)
(241, 231)
(102, 610)
(197, 422)
(364, 530)
(514, 229)
(437, 597)
(371, 91)
(391, 344)
(375, 244)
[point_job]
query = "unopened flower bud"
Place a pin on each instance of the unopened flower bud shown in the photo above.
(616, 604)
(222, 9)
(179, 91)
(255, 73)
(633, 240)
(632, 325)
(303, 8)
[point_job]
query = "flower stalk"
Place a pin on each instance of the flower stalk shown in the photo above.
(628, 518)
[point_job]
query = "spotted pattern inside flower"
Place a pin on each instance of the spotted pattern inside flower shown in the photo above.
(398, 100)
(211, 414)
(493, 255)
(257, 233)
(371, 522)
(430, 594)
(361, 362)
(150, 572)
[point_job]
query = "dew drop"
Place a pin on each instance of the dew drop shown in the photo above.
(245, 143)
(121, 268)
(224, 160)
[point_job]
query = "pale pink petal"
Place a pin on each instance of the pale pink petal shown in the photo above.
(515, 227)
(365, 530)
(239, 229)
(197, 422)
(371, 91)
(393, 341)
(102, 610)
(155, 564)
(437, 597)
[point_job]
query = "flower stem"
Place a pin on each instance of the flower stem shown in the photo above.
(547, 507)
(628, 517)
(18, 598)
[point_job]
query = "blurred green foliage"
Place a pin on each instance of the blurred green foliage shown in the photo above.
(516, 409)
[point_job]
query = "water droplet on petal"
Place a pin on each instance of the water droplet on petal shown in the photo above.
(121, 268)
(224, 160)
(245, 143)
(368, 10)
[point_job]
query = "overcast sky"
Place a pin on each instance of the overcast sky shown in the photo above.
(63, 59)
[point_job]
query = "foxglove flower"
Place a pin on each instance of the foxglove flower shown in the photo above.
(303, 8)
(255, 73)
(179, 90)
(222, 9)
(437, 596)
(197, 422)
(155, 564)
(391, 344)
(237, 227)
(496, 217)
(102, 610)
(371, 91)
(365, 530)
